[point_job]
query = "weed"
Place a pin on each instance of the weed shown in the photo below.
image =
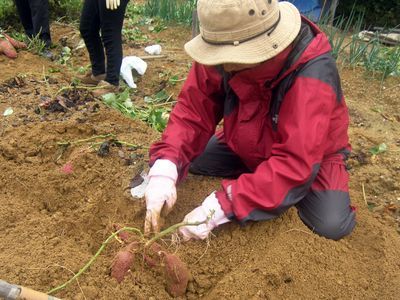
(134, 34)
(36, 45)
(65, 55)
(378, 149)
(171, 10)
(155, 115)
(69, 10)
(7, 13)
(383, 60)
(338, 33)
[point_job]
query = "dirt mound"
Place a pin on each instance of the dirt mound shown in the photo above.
(59, 197)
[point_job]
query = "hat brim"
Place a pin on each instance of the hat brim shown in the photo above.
(253, 51)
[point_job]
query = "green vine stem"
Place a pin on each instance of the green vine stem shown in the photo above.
(158, 236)
(68, 143)
(170, 230)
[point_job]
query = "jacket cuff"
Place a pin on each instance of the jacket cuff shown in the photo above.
(164, 167)
(225, 203)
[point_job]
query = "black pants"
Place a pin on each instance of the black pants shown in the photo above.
(34, 15)
(97, 18)
(325, 211)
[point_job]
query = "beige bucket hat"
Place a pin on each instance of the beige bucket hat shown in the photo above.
(243, 31)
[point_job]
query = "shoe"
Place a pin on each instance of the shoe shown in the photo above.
(105, 87)
(46, 53)
(90, 79)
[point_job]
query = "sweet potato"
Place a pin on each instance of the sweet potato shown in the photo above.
(124, 236)
(15, 43)
(7, 49)
(152, 255)
(176, 273)
(123, 261)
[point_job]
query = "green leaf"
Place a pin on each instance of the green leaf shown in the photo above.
(161, 95)
(8, 111)
(378, 149)
(109, 98)
(124, 96)
(128, 103)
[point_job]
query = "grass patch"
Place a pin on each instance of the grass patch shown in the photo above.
(350, 49)
(179, 11)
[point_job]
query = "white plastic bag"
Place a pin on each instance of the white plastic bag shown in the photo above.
(130, 63)
(153, 50)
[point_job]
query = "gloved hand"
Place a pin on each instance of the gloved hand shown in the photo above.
(112, 4)
(210, 209)
(160, 192)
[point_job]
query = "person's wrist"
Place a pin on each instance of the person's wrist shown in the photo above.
(165, 168)
(214, 210)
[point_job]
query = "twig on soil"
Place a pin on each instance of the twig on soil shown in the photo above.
(62, 267)
(392, 87)
(82, 141)
(152, 57)
(204, 253)
(21, 183)
(363, 192)
(44, 78)
(122, 143)
(77, 281)
(164, 103)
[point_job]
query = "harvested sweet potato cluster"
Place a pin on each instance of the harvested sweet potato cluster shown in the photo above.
(175, 271)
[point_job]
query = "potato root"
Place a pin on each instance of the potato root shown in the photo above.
(124, 236)
(123, 261)
(15, 43)
(152, 255)
(176, 273)
(7, 49)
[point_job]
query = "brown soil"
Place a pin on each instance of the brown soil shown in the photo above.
(52, 223)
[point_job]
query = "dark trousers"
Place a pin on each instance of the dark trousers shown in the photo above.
(325, 209)
(96, 18)
(34, 15)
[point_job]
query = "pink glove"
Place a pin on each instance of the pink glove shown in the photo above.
(210, 209)
(160, 191)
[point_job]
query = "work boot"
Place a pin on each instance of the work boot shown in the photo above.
(90, 79)
(105, 87)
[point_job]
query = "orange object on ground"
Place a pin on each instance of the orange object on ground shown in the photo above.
(7, 49)
(14, 42)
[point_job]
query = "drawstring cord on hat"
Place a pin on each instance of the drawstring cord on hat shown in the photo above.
(268, 31)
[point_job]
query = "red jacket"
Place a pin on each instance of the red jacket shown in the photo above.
(283, 118)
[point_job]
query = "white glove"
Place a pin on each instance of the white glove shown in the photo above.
(112, 4)
(160, 191)
(210, 209)
(129, 64)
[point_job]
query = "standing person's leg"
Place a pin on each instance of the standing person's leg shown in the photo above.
(326, 209)
(111, 27)
(218, 160)
(25, 16)
(90, 31)
(40, 20)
